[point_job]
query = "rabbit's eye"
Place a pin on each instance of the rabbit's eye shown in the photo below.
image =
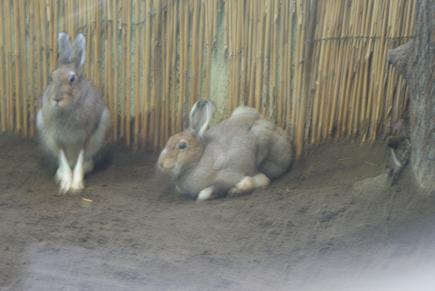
(182, 145)
(72, 78)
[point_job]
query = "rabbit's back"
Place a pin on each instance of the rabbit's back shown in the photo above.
(232, 144)
(248, 142)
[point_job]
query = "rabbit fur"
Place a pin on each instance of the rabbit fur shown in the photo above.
(72, 121)
(236, 156)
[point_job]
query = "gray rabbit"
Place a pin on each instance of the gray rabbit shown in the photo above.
(73, 122)
(239, 154)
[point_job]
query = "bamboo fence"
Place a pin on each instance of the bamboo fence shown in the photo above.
(316, 67)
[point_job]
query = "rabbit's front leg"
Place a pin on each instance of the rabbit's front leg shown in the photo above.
(78, 174)
(63, 173)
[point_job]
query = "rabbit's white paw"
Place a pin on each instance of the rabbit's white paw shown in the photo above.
(64, 178)
(205, 194)
(261, 180)
(77, 185)
(247, 184)
(78, 174)
(59, 175)
(64, 174)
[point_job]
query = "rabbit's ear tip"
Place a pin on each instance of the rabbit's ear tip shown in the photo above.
(80, 37)
(203, 103)
(62, 35)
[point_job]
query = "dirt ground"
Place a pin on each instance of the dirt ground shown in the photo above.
(332, 223)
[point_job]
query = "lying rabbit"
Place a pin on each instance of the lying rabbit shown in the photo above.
(73, 120)
(236, 156)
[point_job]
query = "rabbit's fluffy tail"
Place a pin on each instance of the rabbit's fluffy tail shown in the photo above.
(275, 149)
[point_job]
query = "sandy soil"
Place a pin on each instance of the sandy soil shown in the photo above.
(332, 223)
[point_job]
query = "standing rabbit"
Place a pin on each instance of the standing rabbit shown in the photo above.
(73, 120)
(239, 154)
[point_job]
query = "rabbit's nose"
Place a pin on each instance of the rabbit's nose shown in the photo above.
(57, 99)
(166, 164)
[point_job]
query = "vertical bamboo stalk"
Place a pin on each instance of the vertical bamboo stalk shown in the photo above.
(163, 77)
(96, 39)
(249, 48)
(23, 70)
(174, 74)
(281, 99)
(267, 56)
(9, 66)
(184, 44)
(360, 71)
(212, 10)
(201, 41)
(183, 32)
(53, 23)
(18, 93)
(325, 96)
(382, 54)
(123, 73)
(65, 15)
(233, 49)
(154, 130)
(38, 72)
(239, 51)
(337, 60)
(260, 56)
(306, 64)
(298, 79)
(350, 70)
(346, 74)
(253, 59)
(230, 12)
(368, 58)
(274, 109)
(245, 51)
(195, 52)
(31, 75)
(170, 58)
(115, 67)
(297, 92)
(72, 16)
(286, 82)
(59, 20)
(321, 80)
(128, 75)
(108, 56)
(137, 40)
(389, 33)
(147, 67)
(3, 83)
(91, 34)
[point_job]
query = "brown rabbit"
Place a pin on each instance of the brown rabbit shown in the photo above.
(73, 120)
(236, 156)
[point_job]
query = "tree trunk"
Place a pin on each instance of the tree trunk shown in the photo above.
(414, 60)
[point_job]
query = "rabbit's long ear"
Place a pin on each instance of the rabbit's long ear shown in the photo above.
(200, 116)
(78, 51)
(64, 47)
